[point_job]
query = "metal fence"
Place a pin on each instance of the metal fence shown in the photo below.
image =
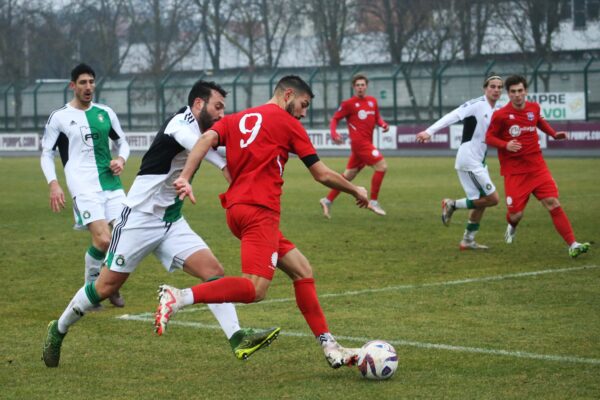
(142, 103)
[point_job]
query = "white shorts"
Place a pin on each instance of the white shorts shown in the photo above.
(137, 234)
(90, 207)
(476, 183)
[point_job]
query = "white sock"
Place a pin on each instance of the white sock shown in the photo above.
(460, 203)
(574, 244)
(74, 311)
(325, 339)
(187, 297)
(92, 268)
(227, 316)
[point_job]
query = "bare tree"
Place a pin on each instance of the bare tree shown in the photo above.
(101, 29)
(331, 19)
(474, 18)
(278, 18)
(216, 15)
(402, 21)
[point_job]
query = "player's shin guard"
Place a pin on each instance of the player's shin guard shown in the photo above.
(93, 263)
(229, 289)
(308, 303)
(85, 298)
(376, 181)
(562, 224)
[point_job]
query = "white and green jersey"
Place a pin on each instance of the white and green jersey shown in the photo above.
(82, 139)
(152, 190)
(476, 115)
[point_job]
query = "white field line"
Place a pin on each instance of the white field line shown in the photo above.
(399, 342)
(148, 317)
(409, 287)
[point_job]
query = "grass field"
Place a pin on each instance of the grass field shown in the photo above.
(519, 321)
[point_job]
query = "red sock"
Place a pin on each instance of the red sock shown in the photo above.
(333, 194)
(229, 289)
(562, 225)
(308, 303)
(376, 183)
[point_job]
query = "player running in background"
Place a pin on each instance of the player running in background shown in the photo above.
(151, 222)
(470, 162)
(513, 131)
(361, 113)
(258, 142)
(81, 130)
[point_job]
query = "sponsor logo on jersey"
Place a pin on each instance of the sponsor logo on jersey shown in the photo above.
(120, 260)
(88, 136)
(530, 115)
(363, 114)
(515, 130)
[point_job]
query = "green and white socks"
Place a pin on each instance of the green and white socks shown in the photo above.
(93, 263)
(85, 299)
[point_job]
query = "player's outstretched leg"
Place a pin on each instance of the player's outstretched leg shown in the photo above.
(335, 354)
(578, 248)
(472, 245)
(117, 300)
(376, 207)
(246, 341)
(447, 211)
(52, 345)
(509, 235)
(326, 206)
(170, 300)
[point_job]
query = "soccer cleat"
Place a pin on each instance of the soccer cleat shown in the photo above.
(246, 342)
(579, 248)
(52, 344)
(509, 235)
(117, 300)
(169, 302)
(338, 356)
(326, 206)
(472, 245)
(447, 211)
(376, 208)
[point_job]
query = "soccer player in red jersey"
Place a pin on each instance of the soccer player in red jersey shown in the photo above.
(361, 113)
(513, 130)
(258, 141)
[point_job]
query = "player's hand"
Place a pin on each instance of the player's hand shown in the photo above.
(562, 135)
(184, 189)
(423, 137)
(385, 127)
(117, 165)
(513, 146)
(57, 197)
(337, 138)
(361, 197)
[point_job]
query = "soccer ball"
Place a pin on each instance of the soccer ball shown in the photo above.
(377, 360)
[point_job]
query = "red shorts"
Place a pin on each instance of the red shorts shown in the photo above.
(363, 154)
(518, 188)
(262, 241)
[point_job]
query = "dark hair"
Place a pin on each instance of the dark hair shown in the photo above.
(515, 80)
(491, 77)
(80, 70)
(358, 77)
(202, 89)
(296, 83)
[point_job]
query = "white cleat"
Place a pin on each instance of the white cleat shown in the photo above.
(338, 356)
(509, 235)
(326, 206)
(472, 245)
(376, 208)
(169, 302)
(447, 211)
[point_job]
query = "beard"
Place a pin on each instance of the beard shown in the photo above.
(205, 121)
(290, 110)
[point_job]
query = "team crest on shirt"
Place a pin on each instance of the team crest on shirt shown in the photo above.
(530, 115)
(100, 117)
(515, 130)
(510, 116)
(120, 260)
(86, 214)
(370, 103)
(356, 105)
